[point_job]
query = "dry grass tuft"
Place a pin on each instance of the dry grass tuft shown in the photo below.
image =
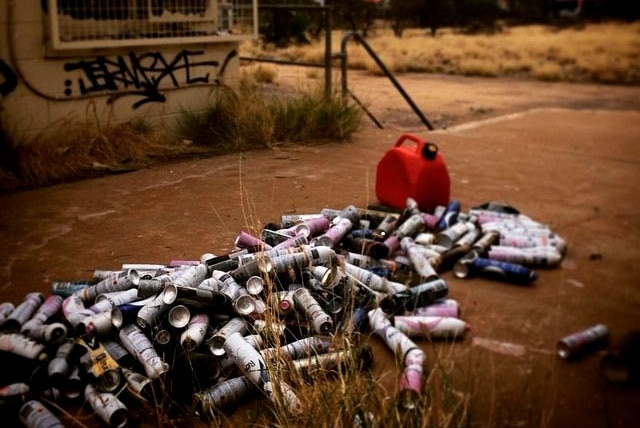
(229, 122)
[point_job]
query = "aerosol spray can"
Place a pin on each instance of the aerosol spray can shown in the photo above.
(254, 285)
(138, 385)
(50, 307)
(298, 349)
(73, 386)
(23, 312)
(334, 234)
(403, 347)
(5, 310)
(67, 288)
(422, 294)
(106, 301)
(33, 414)
(321, 321)
(581, 342)
(161, 303)
(386, 226)
(439, 308)
(450, 235)
(59, 367)
(431, 327)
(312, 227)
(508, 272)
(194, 335)
(532, 257)
(18, 344)
(423, 260)
(191, 276)
(139, 345)
(222, 396)
(107, 406)
(117, 281)
(251, 363)
(413, 225)
(449, 216)
(484, 242)
(234, 325)
(247, 240)
(334, 361)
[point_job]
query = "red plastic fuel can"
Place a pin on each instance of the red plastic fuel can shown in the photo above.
(413, 168)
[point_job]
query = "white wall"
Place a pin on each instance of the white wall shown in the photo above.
(154, 82)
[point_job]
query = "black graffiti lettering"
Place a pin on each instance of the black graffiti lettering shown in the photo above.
(96, 73)
(189, 67)
(232, 54)
(144, 73)
(8, 79)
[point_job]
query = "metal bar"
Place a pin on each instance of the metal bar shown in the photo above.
(327, 52)
(370, 51)
(282, 61)
(326, 11)
(362, 106)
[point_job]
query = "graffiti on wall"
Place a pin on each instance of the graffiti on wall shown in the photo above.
(143, 74)
(8, 79)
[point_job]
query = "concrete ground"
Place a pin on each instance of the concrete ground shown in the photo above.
(576, 170)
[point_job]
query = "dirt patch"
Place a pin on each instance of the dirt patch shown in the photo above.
(541, 147)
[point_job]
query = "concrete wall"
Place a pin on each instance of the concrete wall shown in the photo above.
(39, 89)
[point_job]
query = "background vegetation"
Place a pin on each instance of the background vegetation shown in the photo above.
(607, 52)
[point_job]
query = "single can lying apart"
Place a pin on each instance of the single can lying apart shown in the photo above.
(581, 342)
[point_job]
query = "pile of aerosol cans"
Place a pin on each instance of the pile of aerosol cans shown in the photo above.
(209, 332)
